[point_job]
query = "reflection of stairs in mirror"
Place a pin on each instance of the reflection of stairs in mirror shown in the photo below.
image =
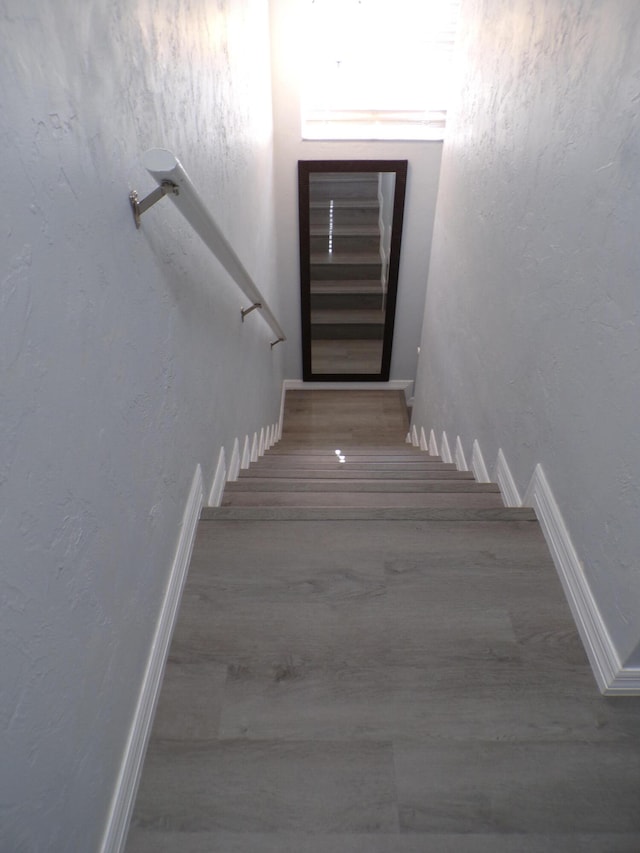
(347, 299)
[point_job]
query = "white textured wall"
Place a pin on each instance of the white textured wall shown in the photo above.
(531, 339)
(422, 185)
(123, 362)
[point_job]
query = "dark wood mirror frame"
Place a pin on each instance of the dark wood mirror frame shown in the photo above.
(306, 169)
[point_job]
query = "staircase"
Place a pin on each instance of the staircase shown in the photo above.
(365, 478)
(346, 273)
(373, 653)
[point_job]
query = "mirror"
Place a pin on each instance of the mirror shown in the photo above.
(350, 232)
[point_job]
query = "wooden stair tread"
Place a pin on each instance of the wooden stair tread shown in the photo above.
(346, 514)
(345, 258)
(352, 462)
(355, 468)
(292, 445)
(347, 177)
(344, 230)
(342, 203)
(268, 484)
(330, 454)
(347, 315)
(360, 498)
(342, 285)
(341, 474)
(332, 460)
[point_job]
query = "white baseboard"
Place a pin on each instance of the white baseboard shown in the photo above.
(460, 458)
(612, 677)
(503, 477)
(445, 450)
(415, 441)
(478, 467)
(245, 460)
(239, 460)
(219, 479)
(234, 462)
(115, 833)
(282, 399)
(254, 448)
(405, 385)
(424, 444)
(610, 674)
(433, 444)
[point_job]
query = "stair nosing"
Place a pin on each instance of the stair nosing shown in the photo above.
(489, 514)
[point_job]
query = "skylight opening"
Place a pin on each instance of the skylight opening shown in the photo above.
(375, 70)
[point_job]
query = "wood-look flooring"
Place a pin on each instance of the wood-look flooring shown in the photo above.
(396, 679)
(346, 356)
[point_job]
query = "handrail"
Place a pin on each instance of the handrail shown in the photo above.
(173, 181)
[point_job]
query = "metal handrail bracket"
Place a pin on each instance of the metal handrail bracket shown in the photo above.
(245, 311)
(140, 207)
(173, 181)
